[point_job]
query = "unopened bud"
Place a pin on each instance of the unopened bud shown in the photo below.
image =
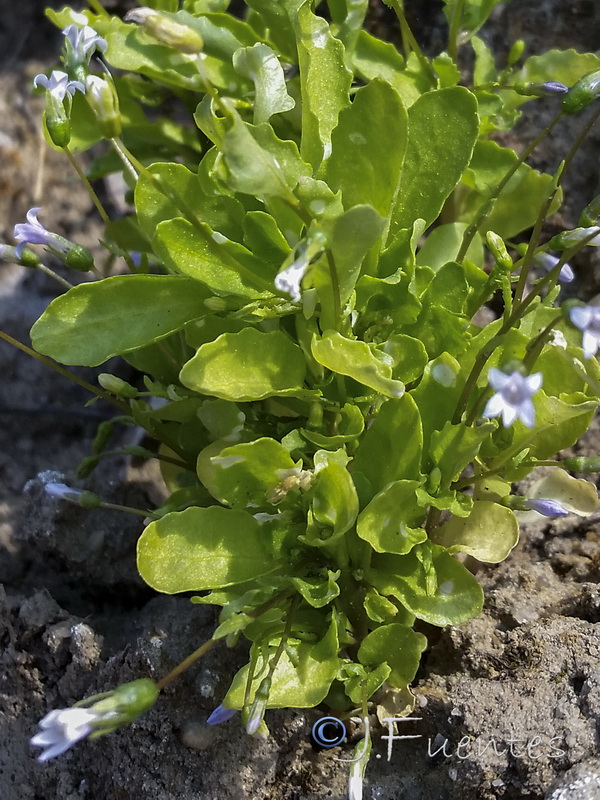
(584, 92)
(498, 250)
(26, 258)
(515, 52)
(166, 29)
(591, 213)
(536, 89)
(578, 236)
(259, 706)
(103, 100)
(582, 463)
(116, 385)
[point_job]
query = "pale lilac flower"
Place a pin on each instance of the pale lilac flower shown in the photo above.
(58, 84)
(33, 232)
(546, 507)
(513, 396)
(587, 319)
(82, 42)
(221, 714)
(548, 262)
(60, 491)
(63, 728)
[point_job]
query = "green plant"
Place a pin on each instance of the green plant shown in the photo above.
(315, 229)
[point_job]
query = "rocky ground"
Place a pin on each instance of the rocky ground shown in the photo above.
(509, 702)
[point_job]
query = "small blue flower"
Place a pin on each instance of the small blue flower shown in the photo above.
(221, 714)
(81, 43)
(587, 319)
(546, 507)
(58, 84)
(513, 396)
(32, 232)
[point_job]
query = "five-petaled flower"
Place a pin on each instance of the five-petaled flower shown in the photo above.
(62, 728)
(513, 395)
(587, 319)
(58, 84)
(81, 43)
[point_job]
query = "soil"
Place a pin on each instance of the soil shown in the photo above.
(508, 703)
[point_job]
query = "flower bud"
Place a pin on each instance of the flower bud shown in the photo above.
(26, 257)
(584, 92)
(567, 239)
(116, 385)
(498, 250)
(164, 28)
(258, 708)
(515, 52)
(537, 89)
(582, 463)
(103, 100)
(591, 213)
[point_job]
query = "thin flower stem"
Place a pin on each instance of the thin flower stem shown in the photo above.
(96, 6)
(55, 276)
(186, 663)
(408, 38)
(455, 30)
(64, 372)
(486, 208)
(335, 288)
(138, 512)
(534, 239)
(129, 161)
(90, 189)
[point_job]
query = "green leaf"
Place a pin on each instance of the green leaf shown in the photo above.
(354, 358)
(260, 64)
(559, 422)
(385, 522)
(258, 162)
(457, 598)
(409, 356)
(443, 243)
(442, 131)
(243, 475)
(455, 446)
(116, 315)
(473, 13)
(379, 608)
(249, 365)
(518, 206)
(576, 495)
(302, 684)
(363, 683)
(437, 396)
(565, 66)
(349, 424)
(334, 498)
(264, 239)
(318, 592)
(324, 81)
(391, 448)
(182, 193)
(373, 58)
(488, 534)
(368, 148)
(223, 265)
(398, 646)
(351, 236)
(202, 548)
